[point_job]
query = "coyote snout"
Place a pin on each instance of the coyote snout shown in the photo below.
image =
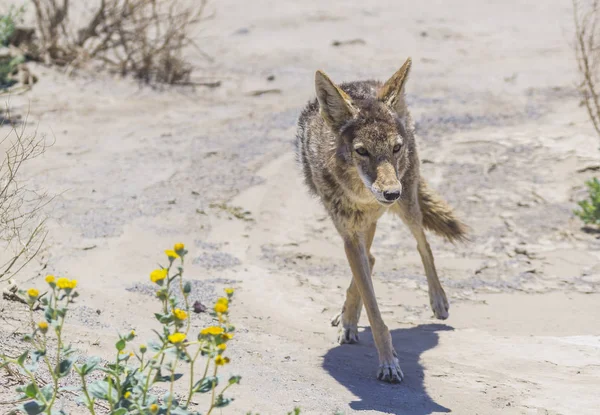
(386, 188)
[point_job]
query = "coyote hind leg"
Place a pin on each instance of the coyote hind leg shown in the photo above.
(350, 314)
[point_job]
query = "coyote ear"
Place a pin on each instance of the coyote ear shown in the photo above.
(336, 106)
(392, 92)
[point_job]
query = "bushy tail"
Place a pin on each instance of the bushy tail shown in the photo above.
(439, 217)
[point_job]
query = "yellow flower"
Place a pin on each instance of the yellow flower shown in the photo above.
(132, 333)
(158, 275)
(221, 308)
(65, 283)
(43, 326)
(178, 247)
(49, 279)
(223, 300)
(229, 291)
(131, 354)
(227, 336)
(143, 348)
(154, 408)
(179, 314)
(127, 395)
(222, 346)
(213, 330)
(220, 360)
(171, 254)
(177, 338)
(33, 293)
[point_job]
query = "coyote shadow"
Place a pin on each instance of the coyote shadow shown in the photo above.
(355, 367)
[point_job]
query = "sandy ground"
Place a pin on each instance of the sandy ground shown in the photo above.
(502, 136)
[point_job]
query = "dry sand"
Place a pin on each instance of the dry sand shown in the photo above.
(502, 136)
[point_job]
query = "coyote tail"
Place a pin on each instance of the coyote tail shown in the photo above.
(439, 217)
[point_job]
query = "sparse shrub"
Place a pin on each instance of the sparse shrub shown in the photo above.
(22, 230)
(128, 379)
(590, 208)
(143, 38)
(586, 15)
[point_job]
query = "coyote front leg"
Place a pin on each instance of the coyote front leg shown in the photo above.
(350, 314)
(356, 252)
(411, 215)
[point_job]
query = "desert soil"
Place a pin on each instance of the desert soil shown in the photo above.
(502, 137)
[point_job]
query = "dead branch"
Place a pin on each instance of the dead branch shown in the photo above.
(145, 38)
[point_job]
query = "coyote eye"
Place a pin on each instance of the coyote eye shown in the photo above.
(362, 151)
(397, 148)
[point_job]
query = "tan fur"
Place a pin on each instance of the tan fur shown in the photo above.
(358, 152)
(438, 215)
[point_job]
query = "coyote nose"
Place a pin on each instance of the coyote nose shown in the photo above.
(390, 196)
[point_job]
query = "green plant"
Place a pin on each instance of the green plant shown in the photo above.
(128, 380)
(8, 23)
(590, 208)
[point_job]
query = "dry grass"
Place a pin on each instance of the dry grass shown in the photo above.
(143, 38)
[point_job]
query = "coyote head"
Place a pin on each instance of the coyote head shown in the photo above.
(371, 132)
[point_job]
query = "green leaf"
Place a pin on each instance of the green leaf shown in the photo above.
(48, 391)
(221, 402)
(120, 345)
(99, 389)
(91, 364)
(121, 411)
(30, 390)
(234, 380)
(22, 358)
(32, 407)
(37, 355)
(64, 368)
(206, 385)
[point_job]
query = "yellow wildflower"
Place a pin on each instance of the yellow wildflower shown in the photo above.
(227, 336)
(220, 360)
(33, 293)
(229, 291)
(223, 300)
(222, 346)
(213, 330)
(131, 354)
(127, 395)
(171, 254)
(158, 275)
(179, 314)
(179, 247)
(65, 283)
(177, 338)
(43, 326)
(49, 279)
(221, 308)
(132, 333)
(143, 348)
(154, 408)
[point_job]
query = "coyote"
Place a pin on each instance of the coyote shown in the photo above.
(357, 150)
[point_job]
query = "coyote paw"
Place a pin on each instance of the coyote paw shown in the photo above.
(348, 333)
(439, 305)
(389, 371)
